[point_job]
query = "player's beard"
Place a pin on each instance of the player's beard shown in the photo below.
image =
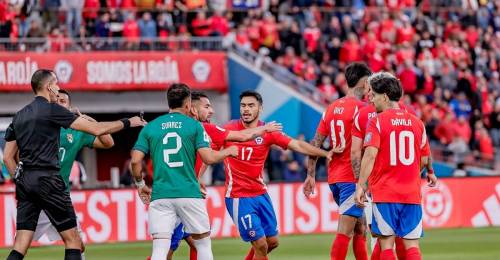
(251, 120)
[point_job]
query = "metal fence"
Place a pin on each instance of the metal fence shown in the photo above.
(64, 44)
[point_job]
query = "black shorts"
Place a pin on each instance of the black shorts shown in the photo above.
(43, 190)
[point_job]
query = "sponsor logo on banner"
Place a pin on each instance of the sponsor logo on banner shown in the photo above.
(437, 204)
(63, 70)
(201, 70)
(490, 214)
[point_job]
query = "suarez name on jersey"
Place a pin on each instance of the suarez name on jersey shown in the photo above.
(401, 140)
(244, 173)
(336, 123)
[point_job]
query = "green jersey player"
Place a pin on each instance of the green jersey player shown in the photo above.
(172, 140)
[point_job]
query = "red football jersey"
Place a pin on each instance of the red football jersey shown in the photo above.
(336, 123)
(400, 138)
(217, 136)
(244, 173)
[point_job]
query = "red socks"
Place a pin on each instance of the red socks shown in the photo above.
(387, 254)
(193, 255)
(376, 252)
(413, 253)
(359, 246)
(400, 248)
(340, 247)
(250, 254)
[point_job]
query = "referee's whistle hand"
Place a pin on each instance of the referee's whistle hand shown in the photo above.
(137, 121)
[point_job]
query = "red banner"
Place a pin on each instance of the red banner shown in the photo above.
(104, 71)
(119, 215)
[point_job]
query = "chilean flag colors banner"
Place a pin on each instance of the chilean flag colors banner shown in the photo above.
(116, 71)
(119, 215)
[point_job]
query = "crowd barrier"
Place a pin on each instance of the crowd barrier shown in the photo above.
(119, 215)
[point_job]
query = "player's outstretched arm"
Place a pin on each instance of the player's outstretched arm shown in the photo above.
(310, 181)
(209, 156)
(136, 165)
(102, 141)
(10, 156)
(356, 152)
(308, 149)
(252, 133)
(102, 128)
(366, 168)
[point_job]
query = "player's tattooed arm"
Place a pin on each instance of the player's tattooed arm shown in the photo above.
(356, 151)
(252, 133)
(317, 141)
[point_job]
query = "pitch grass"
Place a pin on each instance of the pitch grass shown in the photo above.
(481, 243)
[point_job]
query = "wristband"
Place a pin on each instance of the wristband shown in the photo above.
(140, 184)
(126, 123)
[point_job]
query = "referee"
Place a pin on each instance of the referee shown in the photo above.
(34, 132)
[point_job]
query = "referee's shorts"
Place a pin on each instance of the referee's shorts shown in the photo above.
(38, 190)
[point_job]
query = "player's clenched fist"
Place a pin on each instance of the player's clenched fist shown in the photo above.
(232, 151)
(309, 185)
(144, 194)
(136, 121)
(273, 127)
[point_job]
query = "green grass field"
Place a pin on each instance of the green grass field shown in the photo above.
(483, 243)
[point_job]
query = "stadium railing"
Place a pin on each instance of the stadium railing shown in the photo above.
(177, 43)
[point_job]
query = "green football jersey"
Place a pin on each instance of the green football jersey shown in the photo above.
(172, 141)
(70, 143)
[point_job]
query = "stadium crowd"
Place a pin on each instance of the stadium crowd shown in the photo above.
(446, 53)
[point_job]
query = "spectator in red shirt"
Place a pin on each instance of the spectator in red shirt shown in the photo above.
(462, 128)
(269, 36)
(486, 149)
(328, 90)
(131, 32)
(444, 131)
(312, 34)
(219, 24)
(405, 33)
(408, 78)
(201, 25)
(351, 50)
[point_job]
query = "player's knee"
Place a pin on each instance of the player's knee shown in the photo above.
(261, 246)
(272, 244)
(360, 228)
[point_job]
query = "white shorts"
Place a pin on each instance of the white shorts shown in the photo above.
(164, 216)
(45, 227)
(369, 210)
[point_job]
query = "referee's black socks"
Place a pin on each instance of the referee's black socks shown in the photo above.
(14, 255)
(72, 254)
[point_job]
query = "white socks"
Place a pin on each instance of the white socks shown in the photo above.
(204, 248)
(160, 248)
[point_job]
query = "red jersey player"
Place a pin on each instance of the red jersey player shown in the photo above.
(201, 110)
(361, 120)
(247, 200)
(394, 145)
(336, 124)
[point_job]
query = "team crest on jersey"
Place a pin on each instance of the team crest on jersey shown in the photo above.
(70, 138)
(259, 140)
(368, 137)
(251, 233)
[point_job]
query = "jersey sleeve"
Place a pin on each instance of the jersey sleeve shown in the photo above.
(280, 139)
(10, 135)
(142, 143)
(323, 128)
(88, 140)
(372, 137)
(356, 129)
(425, 147)
(201, 139)
(61, 116)
(217, 134)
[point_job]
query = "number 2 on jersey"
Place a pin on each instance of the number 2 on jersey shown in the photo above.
(168, 152)
(402, 154)
(341, 133)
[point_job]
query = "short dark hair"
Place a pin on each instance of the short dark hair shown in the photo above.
(198, 95)
(251, 93)
(356, 71)
(40, 78)
(386, 83)
(63, 91)
(177, 93)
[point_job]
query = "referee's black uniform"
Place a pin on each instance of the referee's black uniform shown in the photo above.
(36, 128)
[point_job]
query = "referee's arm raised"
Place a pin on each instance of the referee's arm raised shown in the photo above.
(102, 128)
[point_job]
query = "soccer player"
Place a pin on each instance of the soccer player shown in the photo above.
(336, 124)
(71, 142)
(247, 200)
(201, 110)
(358, 134)
(173, 140)
(394, 154)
